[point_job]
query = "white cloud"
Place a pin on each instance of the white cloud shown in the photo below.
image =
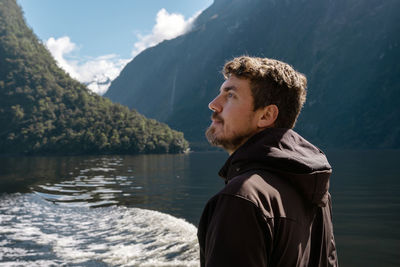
(168, 26)
(58, 48)
(97, 72)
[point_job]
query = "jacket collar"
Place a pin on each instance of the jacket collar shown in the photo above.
(286, 153)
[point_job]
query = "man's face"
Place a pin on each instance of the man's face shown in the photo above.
(233, 120)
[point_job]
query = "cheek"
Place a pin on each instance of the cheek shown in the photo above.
(231, 127)
(236, 118)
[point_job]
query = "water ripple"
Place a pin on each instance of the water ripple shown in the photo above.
(98, 188)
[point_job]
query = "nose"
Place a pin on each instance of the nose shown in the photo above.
(215, 105)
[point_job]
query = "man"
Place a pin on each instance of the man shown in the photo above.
(275, 209)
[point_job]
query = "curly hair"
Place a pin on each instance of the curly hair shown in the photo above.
(272, 82)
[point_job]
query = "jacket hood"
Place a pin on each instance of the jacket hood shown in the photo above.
(286, 153)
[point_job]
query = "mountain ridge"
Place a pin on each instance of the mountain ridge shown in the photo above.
(348, 50)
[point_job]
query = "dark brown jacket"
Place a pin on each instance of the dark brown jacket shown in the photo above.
(275, 209)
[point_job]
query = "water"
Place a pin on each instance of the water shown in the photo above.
(143, 210)
(106, 210)
(34, 232)
(366, 213)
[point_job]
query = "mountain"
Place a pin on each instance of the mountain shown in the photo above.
(348, 49)
(99, 84)
(44, 111)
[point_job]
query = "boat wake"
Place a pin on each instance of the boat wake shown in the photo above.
(35, 232)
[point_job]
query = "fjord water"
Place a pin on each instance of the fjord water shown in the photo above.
(104, 211)
(143, 210)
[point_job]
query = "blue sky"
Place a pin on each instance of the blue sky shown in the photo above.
(94, 39)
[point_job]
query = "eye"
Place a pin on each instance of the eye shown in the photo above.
(230, 95)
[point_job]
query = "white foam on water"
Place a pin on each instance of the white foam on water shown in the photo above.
(35, 232)
(106, 190)
(39, 263)
(59, 189)
(55, 197)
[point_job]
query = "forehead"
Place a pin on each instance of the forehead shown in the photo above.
(238, 85)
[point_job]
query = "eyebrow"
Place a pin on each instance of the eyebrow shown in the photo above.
(229, 88)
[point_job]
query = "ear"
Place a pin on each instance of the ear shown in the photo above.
(268, 116)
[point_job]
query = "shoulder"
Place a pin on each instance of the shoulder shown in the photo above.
(251, 184)
(272, 195)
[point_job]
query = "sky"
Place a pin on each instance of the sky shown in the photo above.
(94, 39)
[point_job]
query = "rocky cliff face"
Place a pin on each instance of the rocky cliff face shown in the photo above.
(348, 49)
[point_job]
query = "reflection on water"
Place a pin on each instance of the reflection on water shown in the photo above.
(124, 210)
(175, 184)
(93, 187)
(366, 212)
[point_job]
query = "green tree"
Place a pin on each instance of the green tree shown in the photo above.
(44, 111)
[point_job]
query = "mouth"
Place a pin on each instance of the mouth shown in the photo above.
(215, 122)
(216, 119)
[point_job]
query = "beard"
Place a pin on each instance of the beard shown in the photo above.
(228, 143)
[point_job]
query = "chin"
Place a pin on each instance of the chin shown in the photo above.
(212, 136)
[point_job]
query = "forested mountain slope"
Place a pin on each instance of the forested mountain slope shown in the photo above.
(44, 111)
